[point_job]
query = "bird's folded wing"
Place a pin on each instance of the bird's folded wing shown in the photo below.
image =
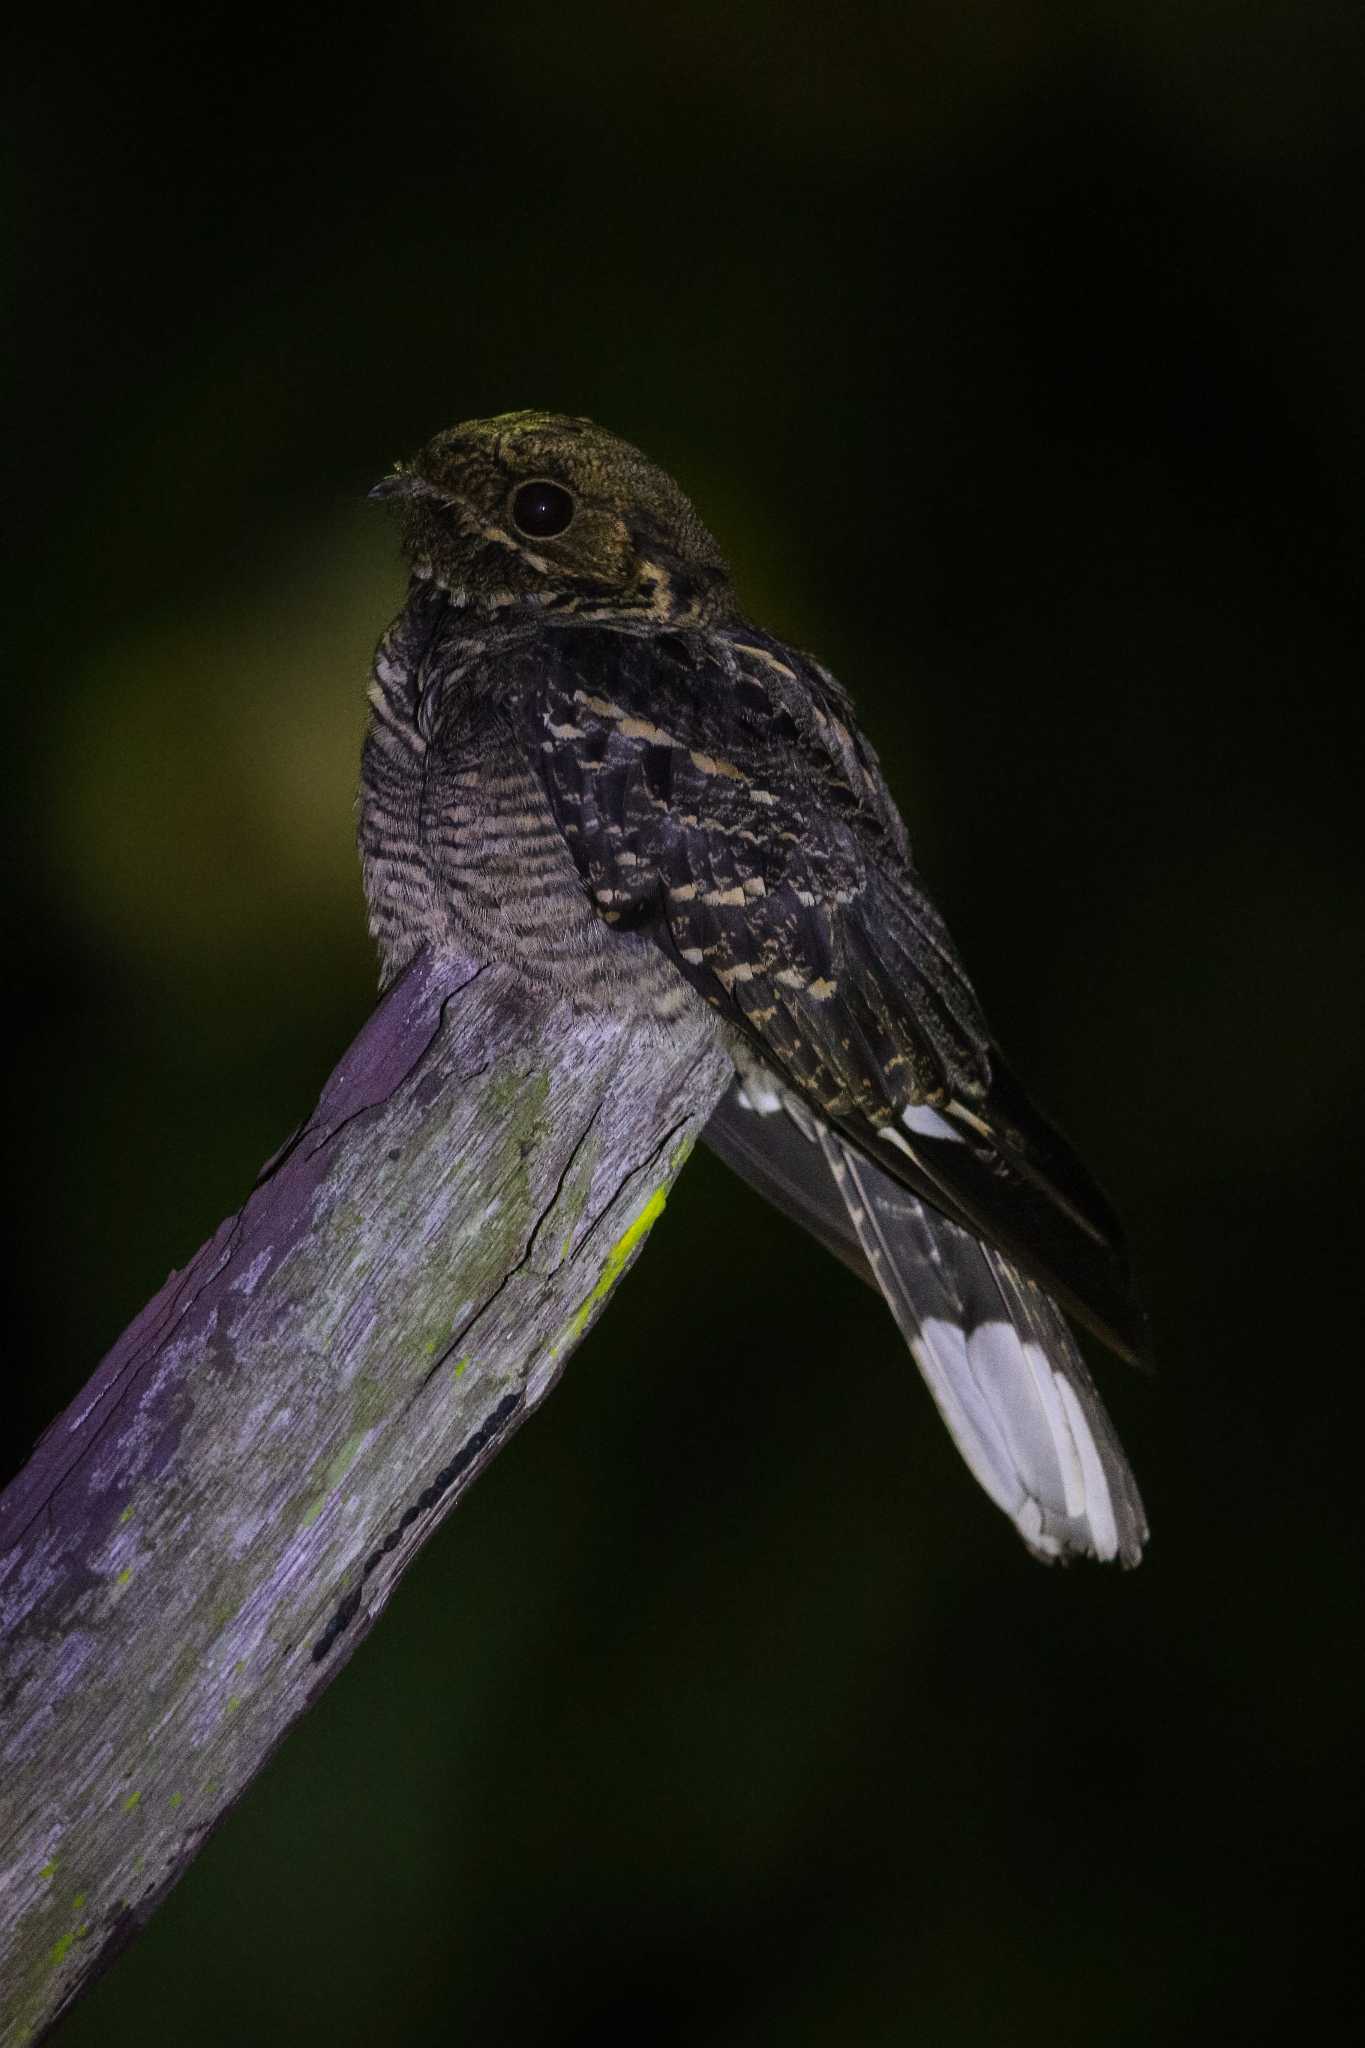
(714, 794)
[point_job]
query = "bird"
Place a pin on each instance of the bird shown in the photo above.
(585, 761)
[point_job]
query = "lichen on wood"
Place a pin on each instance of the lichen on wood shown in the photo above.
(200, 1542)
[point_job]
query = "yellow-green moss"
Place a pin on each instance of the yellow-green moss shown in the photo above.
(618, 1258)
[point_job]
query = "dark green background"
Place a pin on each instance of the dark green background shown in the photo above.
(1008, 349)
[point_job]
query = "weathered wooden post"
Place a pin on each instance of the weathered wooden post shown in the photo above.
(202, 1539)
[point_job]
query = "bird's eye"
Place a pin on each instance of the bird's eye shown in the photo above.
(542, 508)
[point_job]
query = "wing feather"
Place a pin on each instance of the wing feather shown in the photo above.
(999, 1361)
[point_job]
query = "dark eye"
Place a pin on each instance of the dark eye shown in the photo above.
(542, 508)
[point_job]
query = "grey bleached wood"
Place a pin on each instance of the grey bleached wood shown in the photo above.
(202, 1539)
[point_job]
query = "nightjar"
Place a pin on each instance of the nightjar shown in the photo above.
(584, 761)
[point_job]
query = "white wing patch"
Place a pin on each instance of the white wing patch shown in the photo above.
(995, 1353)
(1003, 1371)
(927, 1123)
(1099, 1505)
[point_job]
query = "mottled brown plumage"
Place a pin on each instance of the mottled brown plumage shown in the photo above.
(585, 761)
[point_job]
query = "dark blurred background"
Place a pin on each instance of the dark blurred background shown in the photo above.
(1008, 345)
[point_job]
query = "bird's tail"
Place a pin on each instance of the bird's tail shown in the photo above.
(999, 1360)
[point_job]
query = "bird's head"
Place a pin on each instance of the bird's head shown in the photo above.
(537, 508)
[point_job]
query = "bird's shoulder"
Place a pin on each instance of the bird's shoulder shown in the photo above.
(736, 724)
